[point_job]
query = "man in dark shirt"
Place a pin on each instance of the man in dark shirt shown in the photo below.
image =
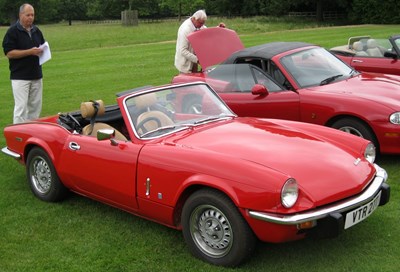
(21, 46)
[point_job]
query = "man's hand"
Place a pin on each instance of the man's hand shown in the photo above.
(36, 51)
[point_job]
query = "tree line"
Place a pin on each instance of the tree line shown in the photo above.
(53, 11)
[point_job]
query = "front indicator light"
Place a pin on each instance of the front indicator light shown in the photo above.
(306, 225)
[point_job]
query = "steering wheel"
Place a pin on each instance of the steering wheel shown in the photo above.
(76, 125)
(141, 124)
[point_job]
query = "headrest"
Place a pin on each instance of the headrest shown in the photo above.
(146, 100)
(88, 108)
(371, 43)
(358, 46)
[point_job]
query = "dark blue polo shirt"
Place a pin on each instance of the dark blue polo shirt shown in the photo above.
(17, 37)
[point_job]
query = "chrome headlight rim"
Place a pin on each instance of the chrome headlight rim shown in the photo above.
(394, 118)
(289, 193)
(370, 153)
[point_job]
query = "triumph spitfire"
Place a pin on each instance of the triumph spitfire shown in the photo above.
(225, 181)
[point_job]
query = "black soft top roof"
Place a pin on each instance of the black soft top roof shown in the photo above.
(265, 51)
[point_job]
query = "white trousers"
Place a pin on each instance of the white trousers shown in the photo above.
(27, 99)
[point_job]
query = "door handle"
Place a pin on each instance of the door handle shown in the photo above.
(358, 61)
(74, 146)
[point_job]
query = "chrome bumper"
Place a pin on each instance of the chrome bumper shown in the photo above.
(10, 153)
(349, 204)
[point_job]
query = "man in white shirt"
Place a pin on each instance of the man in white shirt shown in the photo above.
(185, 59)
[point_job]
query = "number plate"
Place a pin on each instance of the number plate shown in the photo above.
(359, 214)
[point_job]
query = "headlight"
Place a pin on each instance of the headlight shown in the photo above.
(395, 118)
(289, 193)
(370, 153)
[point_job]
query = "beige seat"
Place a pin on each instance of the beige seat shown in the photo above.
(373, 49)
(92, 110)
(150, 119)
(359, 49)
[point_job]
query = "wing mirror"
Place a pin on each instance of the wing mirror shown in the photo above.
(105, 134)
(392, 55)
(260, 90)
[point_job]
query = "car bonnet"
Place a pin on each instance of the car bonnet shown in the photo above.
(213, 45)
(378, 88)
(324, 170)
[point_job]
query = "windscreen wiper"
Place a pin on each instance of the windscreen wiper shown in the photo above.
(329, 80)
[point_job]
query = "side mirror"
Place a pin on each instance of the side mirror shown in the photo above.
(260, 90)
(105, 134)
(392, 55)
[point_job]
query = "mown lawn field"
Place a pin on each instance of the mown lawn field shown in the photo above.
(97, 61)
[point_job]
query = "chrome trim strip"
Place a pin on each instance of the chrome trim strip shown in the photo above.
(10, 153)
(352, 203)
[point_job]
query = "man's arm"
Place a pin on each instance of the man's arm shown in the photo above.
(17, 54)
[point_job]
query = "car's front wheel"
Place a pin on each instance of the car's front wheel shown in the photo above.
(357, 128)
(214, 229)
(42, 177)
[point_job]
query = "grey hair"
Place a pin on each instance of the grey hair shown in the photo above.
(22, 7)
(200, 15)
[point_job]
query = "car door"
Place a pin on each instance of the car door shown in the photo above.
(100, 169)
(376, 64)
(278, 103)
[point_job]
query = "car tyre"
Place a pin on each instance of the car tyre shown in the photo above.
(42, 177)
(214, 229)
(357, 128)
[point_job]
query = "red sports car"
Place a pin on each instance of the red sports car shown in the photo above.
(225, 181)
(366, 54)
(298, 81)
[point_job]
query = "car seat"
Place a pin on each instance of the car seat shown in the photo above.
(358, 47)
(91, 110)
(373, 49)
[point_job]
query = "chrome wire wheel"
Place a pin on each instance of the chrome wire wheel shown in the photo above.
(40, 176)
(211, 231)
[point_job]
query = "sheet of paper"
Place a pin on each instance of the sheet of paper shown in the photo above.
(46, 54)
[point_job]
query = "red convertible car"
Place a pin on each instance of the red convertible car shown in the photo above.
(225, 181)
(366, 54)
(298, 81)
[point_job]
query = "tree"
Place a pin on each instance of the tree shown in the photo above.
(72, 10)
(182, 7)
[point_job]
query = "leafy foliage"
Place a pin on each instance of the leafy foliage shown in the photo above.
(50, 11)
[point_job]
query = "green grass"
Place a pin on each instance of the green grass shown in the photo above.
(97, 61)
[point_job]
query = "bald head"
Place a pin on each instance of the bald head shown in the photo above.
(26, 15)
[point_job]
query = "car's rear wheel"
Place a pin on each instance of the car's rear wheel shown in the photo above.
(357, 128)
(214, 229)
(42, 177)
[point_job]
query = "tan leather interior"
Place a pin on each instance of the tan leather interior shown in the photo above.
(88, 111)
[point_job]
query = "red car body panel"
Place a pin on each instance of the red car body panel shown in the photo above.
(220, 48)
(374, 63)
(248, 159)
(369, 97)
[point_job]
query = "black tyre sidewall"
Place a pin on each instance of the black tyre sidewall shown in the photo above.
(57, 190)
(358, 125)
(243, 241)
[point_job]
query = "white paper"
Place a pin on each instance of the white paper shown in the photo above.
(46, 54)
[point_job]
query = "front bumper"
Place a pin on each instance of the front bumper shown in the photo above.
(10, 153)
(334, 211)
